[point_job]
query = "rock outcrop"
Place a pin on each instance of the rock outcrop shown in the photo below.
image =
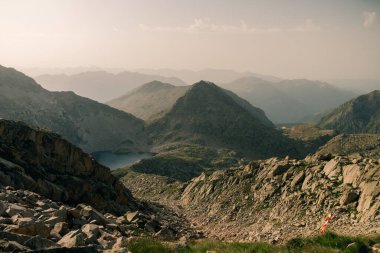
(45, 163)
(30, 222)
(274, 200)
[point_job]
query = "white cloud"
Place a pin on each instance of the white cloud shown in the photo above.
(369, 18)
(204, 25)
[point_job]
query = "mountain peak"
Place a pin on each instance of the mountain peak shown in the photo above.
(217, 118)
(204, 84)
(15, 79)
(154, 85)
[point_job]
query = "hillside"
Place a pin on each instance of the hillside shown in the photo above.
(149, 101)
(43, 162)
(101, 86)
(274, 200)
(56, 198)
(289, 101)
(359, 145)
(207, 115)
(153, 100)
(86, 123)
(359, 115)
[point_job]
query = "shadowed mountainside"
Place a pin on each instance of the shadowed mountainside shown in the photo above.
(359, 115)
(43, 162)
(86, 123)
(207, 115)
(289, 101)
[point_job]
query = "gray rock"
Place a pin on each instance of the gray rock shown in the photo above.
(32, 229)
(61, 228)
(348, 197)
(73, 239)
(131, 216)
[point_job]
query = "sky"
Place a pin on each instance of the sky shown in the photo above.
(285, 38)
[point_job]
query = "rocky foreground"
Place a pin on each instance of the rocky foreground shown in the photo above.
(275, 200)
(30, 222)
(54, 196)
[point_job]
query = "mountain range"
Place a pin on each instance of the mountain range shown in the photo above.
(205, 115)
(213, 75)
(90, 125)
(284, 101)
(199, 184)
(100, 85)
(289, 101)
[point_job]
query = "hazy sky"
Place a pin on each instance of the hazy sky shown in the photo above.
(287, 38)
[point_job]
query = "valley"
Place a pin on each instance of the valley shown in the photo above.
(173, 126)
(178, 167)
(114, 160)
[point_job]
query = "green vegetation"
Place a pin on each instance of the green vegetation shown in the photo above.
(183, 161)
(119, 173)
(327, 243)
(367, 145)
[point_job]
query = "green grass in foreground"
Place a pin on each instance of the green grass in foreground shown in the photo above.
(330, 242)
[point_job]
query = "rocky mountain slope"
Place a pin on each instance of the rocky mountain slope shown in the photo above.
(53, 195)
(209, 116)
(310, 135)
(359, 115)
(30, 222)
(101, 85)
(361, 145)
(289, 101)
(45, 163)
(88, 124)
(149, 101)
(275, 199)
(153, 100)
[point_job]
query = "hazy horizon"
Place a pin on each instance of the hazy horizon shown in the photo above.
(317, 40)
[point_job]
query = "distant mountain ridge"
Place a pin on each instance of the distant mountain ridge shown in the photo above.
(154, 99)
(289, 101)
(149, 101)
(359, 115)
(213, 75)
(86, 123)
(101, 86)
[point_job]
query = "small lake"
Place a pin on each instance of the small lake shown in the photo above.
(115, 161)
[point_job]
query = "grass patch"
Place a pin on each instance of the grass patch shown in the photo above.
(119, 173)
(328, 243)
(145, 246)
(183, 162)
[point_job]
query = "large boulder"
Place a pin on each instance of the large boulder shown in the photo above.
(43, 162)
(72, 239)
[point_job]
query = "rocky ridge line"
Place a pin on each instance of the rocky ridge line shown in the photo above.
(275, 200)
